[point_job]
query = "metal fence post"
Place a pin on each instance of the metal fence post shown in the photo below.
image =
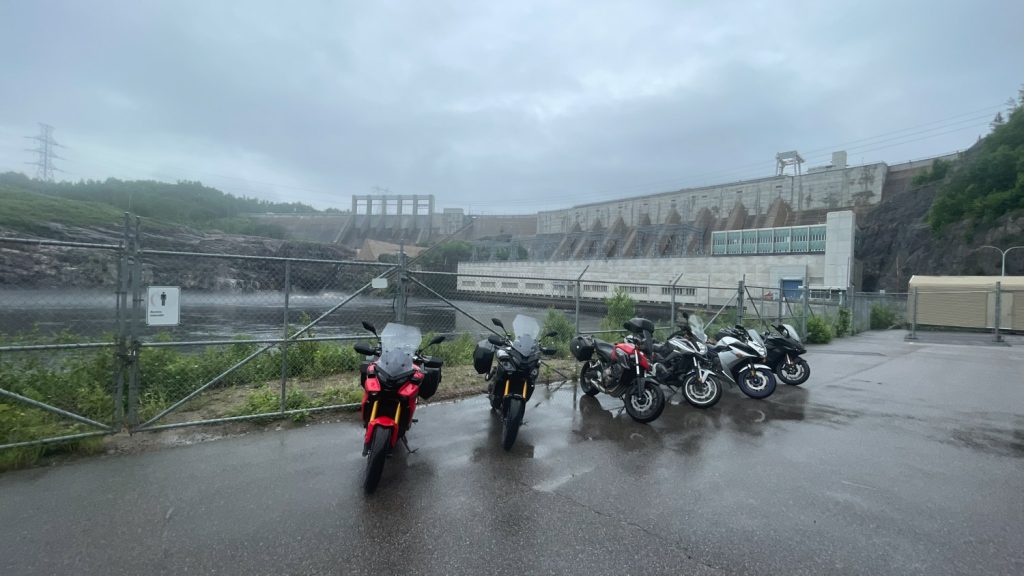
(672, 313)
(284, 345)
(999, 310)
(579, 292)
(781, 297)
(852, 306)
(806, 296)
(913, 316)
(135, 279)
(121, 350)
(400, 297)
(739, 302)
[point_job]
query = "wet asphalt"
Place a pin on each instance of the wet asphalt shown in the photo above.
(895, 458)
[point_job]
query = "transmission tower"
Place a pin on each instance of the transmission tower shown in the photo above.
(46, 153)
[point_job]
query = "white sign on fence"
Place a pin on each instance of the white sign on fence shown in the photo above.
(163, 305)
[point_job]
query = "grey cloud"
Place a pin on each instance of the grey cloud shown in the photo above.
(511, 106)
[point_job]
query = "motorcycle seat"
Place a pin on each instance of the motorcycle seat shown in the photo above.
(603, 348)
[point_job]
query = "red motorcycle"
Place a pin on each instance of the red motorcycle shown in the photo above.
(391, 383)
(622, 370)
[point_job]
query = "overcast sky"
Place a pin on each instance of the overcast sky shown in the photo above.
(495, 106)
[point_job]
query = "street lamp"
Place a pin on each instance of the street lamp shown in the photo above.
(1003, 252)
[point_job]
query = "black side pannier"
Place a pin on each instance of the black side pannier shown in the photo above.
(431, 380)
(582, 347)
(483, 357)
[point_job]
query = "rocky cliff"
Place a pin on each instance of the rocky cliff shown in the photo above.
(37, 266)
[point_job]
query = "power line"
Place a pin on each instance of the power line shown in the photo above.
(45, 152)
(870, 144)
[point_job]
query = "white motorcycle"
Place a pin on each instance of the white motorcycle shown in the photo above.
(739, 354)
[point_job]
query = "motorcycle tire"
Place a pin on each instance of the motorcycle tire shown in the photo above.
(492, 394)
(647, 405)
(513, 419)
(794, 374)
(703, 395)
(375, 459)
(587, 372)
(757, 384)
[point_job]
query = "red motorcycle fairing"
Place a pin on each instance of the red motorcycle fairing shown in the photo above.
(629, 350)
(406, 392)
(385, 421)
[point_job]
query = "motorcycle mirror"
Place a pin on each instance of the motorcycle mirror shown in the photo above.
(497, 323)
(364, 349)
(369, 327)
(548, 351)
(437, 340)
(496, 340)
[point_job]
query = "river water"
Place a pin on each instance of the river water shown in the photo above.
(40, 315)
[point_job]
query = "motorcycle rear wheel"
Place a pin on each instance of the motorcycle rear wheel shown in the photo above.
(757, 383)
(646, 405)
(794, 374)
(375, 459)
(701, 395)
(587, 372)
(513, 419)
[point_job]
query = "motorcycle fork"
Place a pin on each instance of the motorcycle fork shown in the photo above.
(638, 383)
(398, 421)
(508, 383)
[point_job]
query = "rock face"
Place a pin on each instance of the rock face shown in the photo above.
(24, 266)
(895, 242)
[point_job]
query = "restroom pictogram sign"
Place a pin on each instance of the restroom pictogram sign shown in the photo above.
(163, 305)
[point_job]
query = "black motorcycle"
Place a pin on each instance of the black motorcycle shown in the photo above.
(784, 355)
(683, 362)
(511, 382)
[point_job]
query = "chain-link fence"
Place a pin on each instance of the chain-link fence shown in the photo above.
(987, 308)
(82, 355)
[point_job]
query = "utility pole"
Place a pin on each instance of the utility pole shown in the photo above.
(45, 152)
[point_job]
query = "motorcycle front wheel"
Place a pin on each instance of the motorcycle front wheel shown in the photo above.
(513, 419)
(794, 374)
(759, 383)
(375, 459)
(702, 395)
(646, 404)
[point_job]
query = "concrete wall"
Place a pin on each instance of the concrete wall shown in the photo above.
(721, 274)
(828, 189)
(840, 230)
(830, 270)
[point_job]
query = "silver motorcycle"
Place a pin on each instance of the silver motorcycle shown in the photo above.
(739, 355)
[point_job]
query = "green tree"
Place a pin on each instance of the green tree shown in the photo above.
(620, 308)
(989, 184)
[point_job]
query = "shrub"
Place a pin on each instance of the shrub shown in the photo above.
(819, 331)
(842, 326)
(557, 322)
(620, 307)
(455, 352)
(882, 317)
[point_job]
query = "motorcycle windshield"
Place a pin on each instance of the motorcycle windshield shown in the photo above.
(791, 332)
(697, 328)
(755, 337)
(398, 344)
(526, 329)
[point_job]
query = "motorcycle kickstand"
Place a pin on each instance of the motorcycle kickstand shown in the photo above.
(405, 442)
